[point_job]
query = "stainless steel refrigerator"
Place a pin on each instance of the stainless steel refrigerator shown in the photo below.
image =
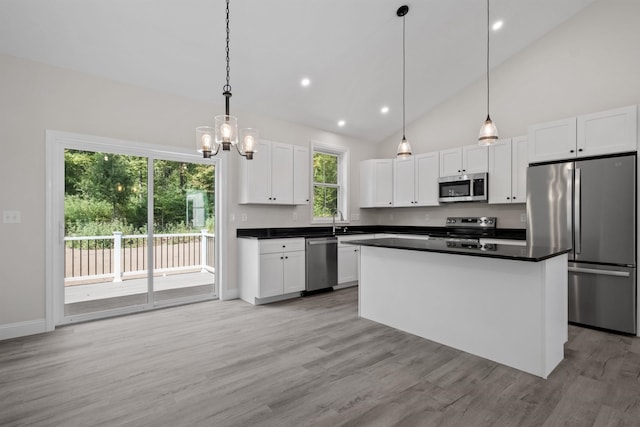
(590, 205)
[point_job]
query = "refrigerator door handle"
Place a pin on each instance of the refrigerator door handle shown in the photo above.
(602, 272)
(576, 212)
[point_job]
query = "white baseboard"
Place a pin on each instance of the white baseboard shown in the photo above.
(21, 329)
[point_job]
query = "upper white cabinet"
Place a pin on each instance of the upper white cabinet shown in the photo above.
(613, 131)
(415, 180)
(376, 183)
(464, 160)
(508, 162)
(269, 177)
(301, 175)
(606, 132)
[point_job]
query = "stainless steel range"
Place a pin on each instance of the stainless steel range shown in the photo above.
(467, 231)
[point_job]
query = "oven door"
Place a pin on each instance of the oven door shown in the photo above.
(455, 189)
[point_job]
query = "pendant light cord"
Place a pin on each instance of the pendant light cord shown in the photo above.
(488, 59)
(403, 78)
(227, 87)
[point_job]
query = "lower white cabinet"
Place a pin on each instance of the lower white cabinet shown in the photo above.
(348, 257)
(271, 269)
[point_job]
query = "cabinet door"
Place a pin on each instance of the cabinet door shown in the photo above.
(426, 184)
(451, 162)
(403, 182)
(383, 183)
(281, 173)
(347, 264)
(257, 175)
(271, 275)
(294, 272)
(500, 172)
(475, 159)
(519, 165)
(607, 132)
(552, 141)
(301, 167)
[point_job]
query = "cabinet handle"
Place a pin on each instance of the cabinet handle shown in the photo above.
(579, 149)
(281, 258)
(389, 202)
(286, 257)
(464, 170)
(508, 198)
(284, 246)
(514, 197)
(572, 151)
(458, 170)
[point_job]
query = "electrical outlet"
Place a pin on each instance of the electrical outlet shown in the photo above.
(11, 217)
(243, 217)
(523, 217)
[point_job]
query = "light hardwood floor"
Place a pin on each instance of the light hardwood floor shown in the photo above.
(303, 362)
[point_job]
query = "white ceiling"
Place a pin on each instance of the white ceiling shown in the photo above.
(350, 49)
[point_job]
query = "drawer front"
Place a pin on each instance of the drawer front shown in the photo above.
(281, 245)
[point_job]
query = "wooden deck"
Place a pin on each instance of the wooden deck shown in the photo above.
(81, 299)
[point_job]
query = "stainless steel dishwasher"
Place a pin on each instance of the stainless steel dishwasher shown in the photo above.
(321, 263)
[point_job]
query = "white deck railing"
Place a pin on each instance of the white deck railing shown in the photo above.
(116, 256)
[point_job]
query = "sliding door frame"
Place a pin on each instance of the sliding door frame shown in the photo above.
(56, 144)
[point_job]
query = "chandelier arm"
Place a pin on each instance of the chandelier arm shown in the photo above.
(403, 79)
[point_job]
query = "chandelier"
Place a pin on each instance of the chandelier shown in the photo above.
(225, 131)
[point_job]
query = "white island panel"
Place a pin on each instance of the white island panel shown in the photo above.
(509, 311)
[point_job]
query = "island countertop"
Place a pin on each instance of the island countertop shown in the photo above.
(489, 250)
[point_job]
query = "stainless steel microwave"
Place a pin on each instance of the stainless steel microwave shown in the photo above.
(463, 188)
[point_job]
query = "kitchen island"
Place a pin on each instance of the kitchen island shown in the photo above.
(501, 302)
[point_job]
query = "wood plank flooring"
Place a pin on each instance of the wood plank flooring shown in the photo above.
(304, 362)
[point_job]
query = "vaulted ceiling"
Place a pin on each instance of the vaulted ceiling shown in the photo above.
(351, 50)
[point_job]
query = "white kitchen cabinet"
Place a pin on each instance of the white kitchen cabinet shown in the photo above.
(606, 132)
(508, 161)
(464, 160)
(376, 183)
(268, 178)
(271, 269)
(552, 141)
(348, 256)
(415, 180)
(301, 175)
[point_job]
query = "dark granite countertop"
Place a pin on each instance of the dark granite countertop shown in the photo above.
(281, 233)
(512, 252)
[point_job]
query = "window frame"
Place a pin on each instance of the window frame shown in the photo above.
(343, 173)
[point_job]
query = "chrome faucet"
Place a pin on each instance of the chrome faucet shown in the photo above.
(333, 219)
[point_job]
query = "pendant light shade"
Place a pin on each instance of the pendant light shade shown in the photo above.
(225, 131)
(488, 132)
(404, 148)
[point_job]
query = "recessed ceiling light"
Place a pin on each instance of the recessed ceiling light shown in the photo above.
(305, 82)
(384, 110)
(497, 25)
(341, 123)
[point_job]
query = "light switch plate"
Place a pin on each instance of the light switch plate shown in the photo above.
(11, 217)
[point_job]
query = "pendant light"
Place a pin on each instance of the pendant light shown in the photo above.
(404, 148)
(225, 130)
(488, 132)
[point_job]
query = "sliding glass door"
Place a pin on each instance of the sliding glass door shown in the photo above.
(184, 224)
(139, 232)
